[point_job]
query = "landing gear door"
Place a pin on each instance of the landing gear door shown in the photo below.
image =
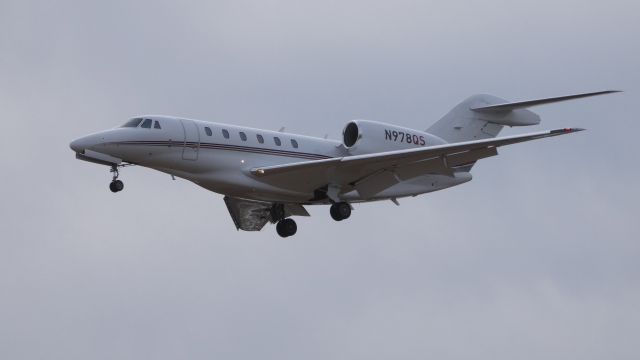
(191, 144)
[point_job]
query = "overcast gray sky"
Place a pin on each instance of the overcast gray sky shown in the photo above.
(536, 258)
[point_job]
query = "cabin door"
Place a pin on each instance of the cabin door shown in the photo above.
(191, 144)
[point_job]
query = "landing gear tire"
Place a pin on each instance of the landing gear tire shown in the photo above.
(340, 211)
(286, 227)
(116, 186)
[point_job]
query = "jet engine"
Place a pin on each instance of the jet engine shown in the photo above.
(365, 136)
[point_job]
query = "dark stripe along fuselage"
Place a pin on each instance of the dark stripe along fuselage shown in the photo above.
(229, 147)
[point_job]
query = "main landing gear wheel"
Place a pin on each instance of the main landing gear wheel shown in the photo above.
(286, 227)
(115, 185)
(340, 211)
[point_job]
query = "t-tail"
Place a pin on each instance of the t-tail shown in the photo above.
(483, 116)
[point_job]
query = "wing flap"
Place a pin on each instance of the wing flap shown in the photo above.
(371, 185)
(467, 157)
(436, 165)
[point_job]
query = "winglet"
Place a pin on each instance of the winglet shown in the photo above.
(506, 107)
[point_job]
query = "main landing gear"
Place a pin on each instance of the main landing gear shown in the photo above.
(115, 185)
(340, 211)
(286, 227)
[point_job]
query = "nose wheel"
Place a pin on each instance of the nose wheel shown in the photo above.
(115, 185)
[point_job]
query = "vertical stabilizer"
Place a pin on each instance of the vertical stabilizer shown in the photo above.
(483, 116)
(464, 123)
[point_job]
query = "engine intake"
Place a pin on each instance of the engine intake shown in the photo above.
(351, 133)
(365, 136)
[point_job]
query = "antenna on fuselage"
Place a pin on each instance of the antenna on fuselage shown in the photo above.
(281, 129)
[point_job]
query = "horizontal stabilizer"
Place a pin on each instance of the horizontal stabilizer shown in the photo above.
(505, 107)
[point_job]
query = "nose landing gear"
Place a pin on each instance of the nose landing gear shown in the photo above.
(115, 185)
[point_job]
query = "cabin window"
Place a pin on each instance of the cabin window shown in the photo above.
(260, 139)
(243, 136)
(294, 143)
(277, 141)
(225, 133)
(208, 131)
(156, 125)
(146, 124)
(133, 123)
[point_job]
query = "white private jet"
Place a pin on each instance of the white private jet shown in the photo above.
(268, 176)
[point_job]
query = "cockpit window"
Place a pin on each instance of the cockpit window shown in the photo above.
(133, 122)
(156, 125)
(146, 124)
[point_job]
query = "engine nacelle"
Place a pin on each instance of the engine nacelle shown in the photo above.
(365, 136)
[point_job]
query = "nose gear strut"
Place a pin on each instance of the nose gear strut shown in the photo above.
(115, 185)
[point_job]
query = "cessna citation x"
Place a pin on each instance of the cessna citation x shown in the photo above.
(268, 176)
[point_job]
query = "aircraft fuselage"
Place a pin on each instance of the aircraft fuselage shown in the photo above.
(220, 157)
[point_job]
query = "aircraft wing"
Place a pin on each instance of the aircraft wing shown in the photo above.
(372, 173)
